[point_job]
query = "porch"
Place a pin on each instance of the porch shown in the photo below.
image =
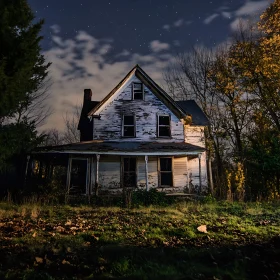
(97, 167)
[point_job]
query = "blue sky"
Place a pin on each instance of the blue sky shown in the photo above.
(94, 43)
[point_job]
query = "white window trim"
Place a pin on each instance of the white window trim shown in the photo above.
(163, 115)
(134, 125)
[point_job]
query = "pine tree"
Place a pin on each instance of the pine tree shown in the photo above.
(22, 72)
(22, 67)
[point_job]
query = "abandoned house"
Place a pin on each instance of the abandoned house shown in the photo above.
(136, 137)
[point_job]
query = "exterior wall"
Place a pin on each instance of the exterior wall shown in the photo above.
(110, 173)
(152, 172)
(193, 166)
(109, 127)
(194, 135)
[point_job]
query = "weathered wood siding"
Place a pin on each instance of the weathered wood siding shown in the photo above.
(194, 135)
(109, 172)
(180, 172)
(193, 166)
(152, 172)
(109, 127)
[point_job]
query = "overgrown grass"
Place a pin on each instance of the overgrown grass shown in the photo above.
(153, 242)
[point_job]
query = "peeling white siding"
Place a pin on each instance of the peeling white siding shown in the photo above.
(109, 172)
(180, 172)
(193, 165)
(109, 127)
(194, 135)
(152, 172)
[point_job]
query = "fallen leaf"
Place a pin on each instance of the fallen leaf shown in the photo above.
(39, 260)
(65, 262)
(202, 228)
(34, 234)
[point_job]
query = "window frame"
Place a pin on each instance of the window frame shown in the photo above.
(123, 125)
(158, 126)
(133, 90)
(166, 172)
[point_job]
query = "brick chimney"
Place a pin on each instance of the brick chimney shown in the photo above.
(87, 95)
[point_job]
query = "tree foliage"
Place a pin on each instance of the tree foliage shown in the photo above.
(23, 71)
(241, 85)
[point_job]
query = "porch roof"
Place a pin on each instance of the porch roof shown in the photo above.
(124, 148)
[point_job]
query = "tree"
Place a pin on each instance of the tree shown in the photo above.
(22, 67)
(23, 72)
(71, 133)
(188, 78)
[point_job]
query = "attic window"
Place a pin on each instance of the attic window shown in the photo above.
(164, 126)
(128, 126)
(137, 91)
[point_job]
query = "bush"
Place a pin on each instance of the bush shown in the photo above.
(151, 197)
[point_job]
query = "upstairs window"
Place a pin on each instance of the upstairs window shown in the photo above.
(164, 126)
(128, 126)
(137, 91)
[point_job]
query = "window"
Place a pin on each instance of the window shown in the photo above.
(137, 90)
(164, 126)
(129, 172)
(165, 170)
(128, 126)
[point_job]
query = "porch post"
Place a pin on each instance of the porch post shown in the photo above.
(146, 173)
(97, 174)
(199, 165)
(188, 175)
(68, 179)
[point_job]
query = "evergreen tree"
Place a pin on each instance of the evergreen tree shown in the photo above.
(22, 67)
(22, 72)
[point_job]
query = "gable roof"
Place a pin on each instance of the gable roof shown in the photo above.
(180, 108)
(154, 87)
(191, 107)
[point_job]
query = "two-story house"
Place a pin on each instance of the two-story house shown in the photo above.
(137, 137)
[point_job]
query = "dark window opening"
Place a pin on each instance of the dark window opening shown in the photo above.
(166, 177)
(78, 177)
(137, 91)
(129, 172)
(164, 126)
(128, 126)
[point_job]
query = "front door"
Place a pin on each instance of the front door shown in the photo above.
(129, 172)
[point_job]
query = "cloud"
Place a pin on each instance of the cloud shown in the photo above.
(55, 28)
(178, 22)
(86, 62)
(210, 18)
(158, 46)
(237, 23)
(252, 8)
(226, 15)
(166, 27)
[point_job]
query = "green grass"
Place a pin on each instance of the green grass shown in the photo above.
(63, 242)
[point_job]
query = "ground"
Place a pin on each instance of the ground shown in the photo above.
(63, 242)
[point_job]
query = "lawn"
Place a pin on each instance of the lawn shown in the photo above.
(63, 242)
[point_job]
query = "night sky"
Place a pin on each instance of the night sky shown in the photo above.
(94, 43)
